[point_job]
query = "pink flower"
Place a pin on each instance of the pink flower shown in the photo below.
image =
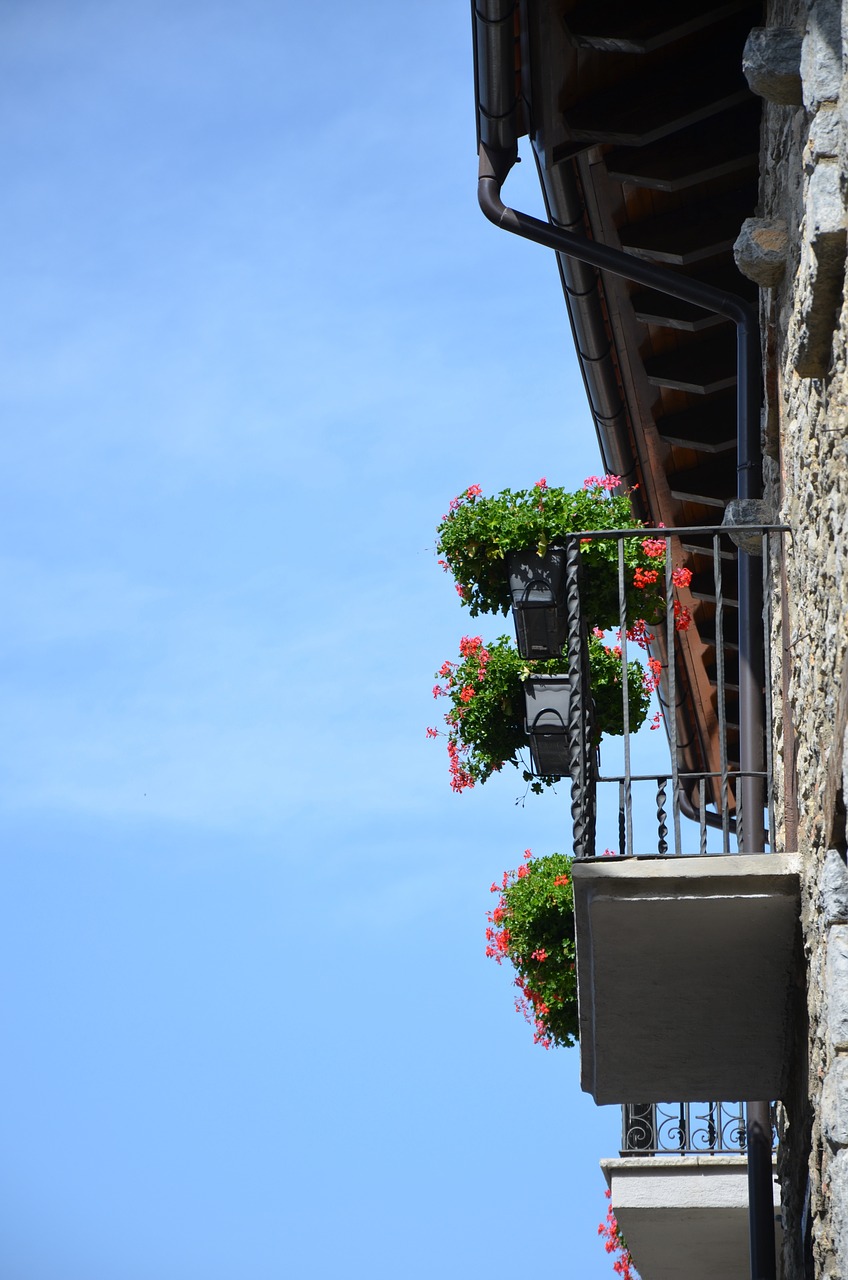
(640, 634)
(681, 577)
(654, 547)
(561, 880)
(608, 482)
(467, 692)
(473, 491)
(523, 871)
(528, 854)
(438, 691)
(432, 733)
(469, 645)
(682, 617)
(540, 954)
(460, 590)
(541, 484)
(655, 723)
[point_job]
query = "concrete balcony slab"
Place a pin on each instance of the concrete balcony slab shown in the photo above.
(685, 970)
(685, 1215)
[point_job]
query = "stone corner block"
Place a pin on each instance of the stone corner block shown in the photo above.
(761, 250)
(771, 63)
(825, 241)
(824, 137)
(838, 1225)
(826, 219)
(834, 1103)
(821, 54)
(836, 985)
(834, 889)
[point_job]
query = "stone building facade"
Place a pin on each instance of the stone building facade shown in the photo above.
(796, 251)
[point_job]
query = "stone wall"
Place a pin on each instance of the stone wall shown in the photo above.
(795, 248)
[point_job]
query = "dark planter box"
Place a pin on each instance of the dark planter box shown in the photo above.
(537, 586)
(547, 703)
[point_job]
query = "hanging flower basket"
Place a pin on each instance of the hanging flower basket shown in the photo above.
(547, 708)
(487, 720)
(477, 534)
(532, 927)
(537, 588)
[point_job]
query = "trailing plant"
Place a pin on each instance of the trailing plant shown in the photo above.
(485, 723)
(477, 532)
(614, 1242)
(532, 926)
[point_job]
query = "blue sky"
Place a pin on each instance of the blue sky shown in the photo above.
(256, 334)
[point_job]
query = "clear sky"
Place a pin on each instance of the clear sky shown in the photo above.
(255, 335)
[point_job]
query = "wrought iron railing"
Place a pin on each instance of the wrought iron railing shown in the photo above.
(684, 1129)
(632, 811)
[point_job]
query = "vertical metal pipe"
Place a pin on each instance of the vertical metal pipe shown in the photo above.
(760, 1191)
(671, 719)
(751, 703)
(751, 638)
(769, 726)
(722, 705)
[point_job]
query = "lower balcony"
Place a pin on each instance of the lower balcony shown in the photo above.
(685, 1215)
(685, 972)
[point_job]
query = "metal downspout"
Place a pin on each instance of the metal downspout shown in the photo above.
(494, 166)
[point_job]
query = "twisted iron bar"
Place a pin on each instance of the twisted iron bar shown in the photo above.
(662, 825)
(578, 712)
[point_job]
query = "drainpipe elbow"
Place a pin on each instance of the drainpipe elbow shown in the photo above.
(495, 164)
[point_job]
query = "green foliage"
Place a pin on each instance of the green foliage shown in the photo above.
(605, 682)
(486, 718)
(477, 532)
(532, 926)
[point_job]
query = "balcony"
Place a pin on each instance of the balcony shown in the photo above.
(684, 974)
(686, 934)
(680, 1191)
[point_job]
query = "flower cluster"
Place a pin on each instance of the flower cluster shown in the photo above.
(477, 532)
(532, 926)
(485, 723)
(614, 1242)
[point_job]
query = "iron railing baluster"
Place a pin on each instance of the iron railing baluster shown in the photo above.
(625, 692)
(722, 706)
(662, 825)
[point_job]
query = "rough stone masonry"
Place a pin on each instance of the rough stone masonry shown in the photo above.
(794, 246)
